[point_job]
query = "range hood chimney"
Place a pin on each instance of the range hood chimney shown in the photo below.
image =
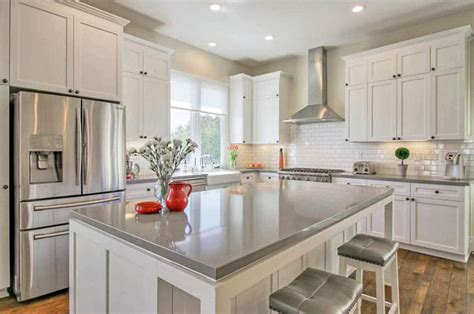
(317, 110)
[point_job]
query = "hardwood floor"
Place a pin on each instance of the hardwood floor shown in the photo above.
(427, 285)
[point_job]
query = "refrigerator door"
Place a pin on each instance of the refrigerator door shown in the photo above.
(47, 146)
(103, 148)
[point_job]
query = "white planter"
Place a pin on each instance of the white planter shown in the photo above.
(402, 170)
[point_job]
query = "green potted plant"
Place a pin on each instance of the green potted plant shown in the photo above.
(402, 153)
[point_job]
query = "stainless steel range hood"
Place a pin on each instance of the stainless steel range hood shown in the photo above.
(317, 110)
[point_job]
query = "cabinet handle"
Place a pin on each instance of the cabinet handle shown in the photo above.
(148, 189)
(141, 72)
(348, 183)
(5, 187)
(347, 84)
(244, 97)
(394, 76)
(347, 140)
(144, 136)
(243, 142)
(407, 198)
(277, 95)
(77, 91)
(399, 75)
(71, 90)
(146, 73)
(269, 178)
(141, 136)
(436, 192)
(432, 137)
(248, 178)
(412, 199)
(399, 138)
(394, 138)
(432, 69)
(278, 141)
(5, 80)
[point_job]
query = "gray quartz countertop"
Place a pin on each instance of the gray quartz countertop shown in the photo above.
(247, 170)
(176, 176)
(411, 179)
(223, 230)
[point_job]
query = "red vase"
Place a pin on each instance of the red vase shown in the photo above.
(178, 196)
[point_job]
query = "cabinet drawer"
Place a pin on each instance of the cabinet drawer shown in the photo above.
(401, 188)
(140, 190)
(266, 177)
(435, 191)
(349, 181)
(248, 177)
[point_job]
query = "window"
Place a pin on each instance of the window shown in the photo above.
(199, 111)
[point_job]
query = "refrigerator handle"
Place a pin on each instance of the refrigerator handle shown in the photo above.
(78, 145)
(86, 147)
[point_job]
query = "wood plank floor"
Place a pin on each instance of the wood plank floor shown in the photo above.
(427, 285)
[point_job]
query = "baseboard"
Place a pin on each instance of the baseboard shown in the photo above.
(450, 256)
(4, 293)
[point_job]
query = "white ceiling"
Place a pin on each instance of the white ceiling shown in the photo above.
(239, 28)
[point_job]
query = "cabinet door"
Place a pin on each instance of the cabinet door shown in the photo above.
(266, 88)
(132, 99)
(156, 64)
(97, 59)
(413, 106)
(247, 111)
(438, 224)
(132, 57)
(266, 121)
(356, 72)
(4, 193)
(356, 113)
(382, 67)
(448, 53)
(413, 60)
(401, 220)
(448, 112)
(382, 108)
(4, 42)
(41, 46)
(240, 109)
(156, 102)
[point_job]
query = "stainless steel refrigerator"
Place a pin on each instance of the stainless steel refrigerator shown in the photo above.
(68, 153)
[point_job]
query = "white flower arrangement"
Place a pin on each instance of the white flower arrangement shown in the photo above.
(164, 157)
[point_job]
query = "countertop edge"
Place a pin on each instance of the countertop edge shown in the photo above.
(426, 180)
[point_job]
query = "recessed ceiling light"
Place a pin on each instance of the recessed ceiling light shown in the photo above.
(215, 7)
(212, 44)
(269, 37)
(358, 8)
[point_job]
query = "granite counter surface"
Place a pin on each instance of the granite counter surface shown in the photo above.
(223, 230)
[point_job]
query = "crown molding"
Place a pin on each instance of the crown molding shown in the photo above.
(81, 6)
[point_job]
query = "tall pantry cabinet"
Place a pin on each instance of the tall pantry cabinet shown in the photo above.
(4, 147)
(146, 89)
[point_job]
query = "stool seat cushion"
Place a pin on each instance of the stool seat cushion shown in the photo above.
(316, 291)
(369, 249)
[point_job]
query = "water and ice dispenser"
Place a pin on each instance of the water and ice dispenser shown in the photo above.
(46, 158)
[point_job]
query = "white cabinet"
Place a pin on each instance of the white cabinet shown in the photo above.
(248, 178)
(382, 66)
(356, 72)
(448, 53)
(356, 113)
(270, 108)
(349, 181)
(240, 109)
(448, 112)
(416, 90)
(139, 190)
(413, 60)
(4, 42)
(382, 110)
(97, 58)
(413, 102)
(4, 190)
(56, 47)
(267, 177)
(42, 44)
(438, 224)
(146, 89)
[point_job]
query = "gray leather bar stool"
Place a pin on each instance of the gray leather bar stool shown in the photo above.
(365, 252)
(316, 291)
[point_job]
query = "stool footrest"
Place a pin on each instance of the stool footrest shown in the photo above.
(372, 299)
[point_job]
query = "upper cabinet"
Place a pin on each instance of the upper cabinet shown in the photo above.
(146, 89)
(55, 48)
(258, 106)
(270, 108)
(240, 109)
(4, 42)
(416, 90)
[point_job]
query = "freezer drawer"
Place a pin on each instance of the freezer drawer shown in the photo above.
(46, 213)
(42, 265)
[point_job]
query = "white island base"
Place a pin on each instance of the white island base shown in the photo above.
(110, 275)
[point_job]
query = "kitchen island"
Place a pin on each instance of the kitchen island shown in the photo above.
(226, 253)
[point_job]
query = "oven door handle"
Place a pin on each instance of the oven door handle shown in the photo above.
(50, 235)
(69, 205)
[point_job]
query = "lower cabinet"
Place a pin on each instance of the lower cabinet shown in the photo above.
(438, 224)
(140, 190)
